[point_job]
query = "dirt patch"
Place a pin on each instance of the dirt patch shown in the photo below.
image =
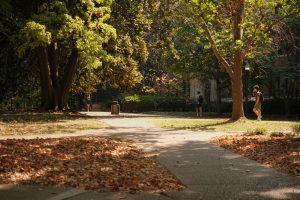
(87, 163)
(281, 152)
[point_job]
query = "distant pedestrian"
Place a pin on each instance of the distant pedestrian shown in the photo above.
(199, 102)
(88, 104)
(258, 102)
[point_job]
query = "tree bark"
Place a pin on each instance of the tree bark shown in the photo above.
(237, 94)
(66, 81)
(237, 77)
(54, 65)
(45, 76)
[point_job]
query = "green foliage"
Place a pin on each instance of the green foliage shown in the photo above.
(32, 35)
(263, 19)
(276, 134)
(137, 103)
(257, 131)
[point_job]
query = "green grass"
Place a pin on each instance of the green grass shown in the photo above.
(296, 128)
(219, 124)
(38, 123)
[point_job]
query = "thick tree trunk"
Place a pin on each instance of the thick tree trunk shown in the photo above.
(66, 81)
(45, 75)
(54, 65)
(237, 95)
(237, 76)
(55, 92)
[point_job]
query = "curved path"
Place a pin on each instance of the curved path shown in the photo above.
(209, 172)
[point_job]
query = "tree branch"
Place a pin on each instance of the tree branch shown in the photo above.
(215, 49)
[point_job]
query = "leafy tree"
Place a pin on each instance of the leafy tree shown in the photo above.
(235, 28)
(17, 76)
(65, 36)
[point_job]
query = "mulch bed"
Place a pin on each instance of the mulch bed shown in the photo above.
(281, 152)
(87, 163)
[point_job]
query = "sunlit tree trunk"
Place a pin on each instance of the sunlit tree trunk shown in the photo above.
(237, 76)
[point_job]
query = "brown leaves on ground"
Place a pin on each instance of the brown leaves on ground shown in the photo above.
(88, 163)
(281, 152)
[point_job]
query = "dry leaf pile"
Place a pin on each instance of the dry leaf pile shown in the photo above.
(88, 163)
(281, 153)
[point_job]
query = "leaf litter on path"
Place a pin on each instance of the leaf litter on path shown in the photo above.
(88, 163)
(281, 152)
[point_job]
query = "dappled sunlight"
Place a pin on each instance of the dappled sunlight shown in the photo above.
(277, 193)
(281, 152)
(226, 125)
(38, 124)
(91, 163)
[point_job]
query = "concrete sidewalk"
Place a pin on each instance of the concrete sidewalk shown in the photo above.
(209, 172)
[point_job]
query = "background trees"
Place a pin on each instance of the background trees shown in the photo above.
(145, 46)
(236, 29)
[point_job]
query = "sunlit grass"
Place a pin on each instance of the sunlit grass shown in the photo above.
(35, 124)
(222, 124)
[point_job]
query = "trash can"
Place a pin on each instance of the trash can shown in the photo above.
(115, 108)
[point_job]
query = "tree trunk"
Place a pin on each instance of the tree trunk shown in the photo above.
(66, 81)
(237, 96)
(237, 76)
(45, 75)
(54, 65)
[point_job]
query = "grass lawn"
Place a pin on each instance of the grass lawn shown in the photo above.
(46, 123)
(220, 124)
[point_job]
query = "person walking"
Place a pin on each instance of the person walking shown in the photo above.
(258, 102)
(199, 102)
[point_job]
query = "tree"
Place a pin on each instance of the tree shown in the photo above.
(235, 28)
(17, 76)
(65, 36)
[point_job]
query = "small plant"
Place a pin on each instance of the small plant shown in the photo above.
(257, 131)
(277, 134)
(296, 128)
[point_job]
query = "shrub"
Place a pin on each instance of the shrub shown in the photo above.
(139, 103)
(277, 134)
(136, 103)
(257, 131)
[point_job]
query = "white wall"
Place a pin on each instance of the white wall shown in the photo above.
(195, 86)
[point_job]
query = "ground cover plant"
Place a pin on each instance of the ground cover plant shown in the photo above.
(46, 123)
(88, 163)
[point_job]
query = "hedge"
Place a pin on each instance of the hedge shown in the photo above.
(143, 103)
(270, 107)
(137, 103)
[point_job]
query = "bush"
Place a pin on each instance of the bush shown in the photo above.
(142, 103)
(257, 131)
(136, 103)
(269, 107)
(139, 103)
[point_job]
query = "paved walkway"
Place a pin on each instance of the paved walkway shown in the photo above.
(209, 172)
